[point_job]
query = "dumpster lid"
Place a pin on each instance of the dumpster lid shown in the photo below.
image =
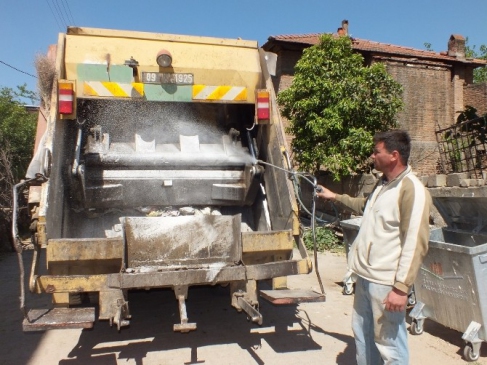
(467, 213)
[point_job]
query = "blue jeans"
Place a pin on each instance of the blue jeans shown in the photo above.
(380, 335)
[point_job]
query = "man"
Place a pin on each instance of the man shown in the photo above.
(387, 252)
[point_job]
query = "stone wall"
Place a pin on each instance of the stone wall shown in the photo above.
(456, 184)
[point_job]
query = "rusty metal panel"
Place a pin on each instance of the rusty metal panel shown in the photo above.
(34, 194)
(273, 146)
(282, 297)
(59, 318)
(81, 249)
(276, 269)
(182, 241)
(156, 279)
(267, 241)
(212, 275)
(70, 284)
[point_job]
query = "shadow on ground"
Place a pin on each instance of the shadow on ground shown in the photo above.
(286, 329)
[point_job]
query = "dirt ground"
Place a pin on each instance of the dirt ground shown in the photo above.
(312, 333)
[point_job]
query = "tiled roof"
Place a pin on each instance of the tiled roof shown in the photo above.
(370, 46)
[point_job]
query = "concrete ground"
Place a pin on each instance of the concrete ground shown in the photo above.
(312, 333)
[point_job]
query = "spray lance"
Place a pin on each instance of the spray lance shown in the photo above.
(316, 189)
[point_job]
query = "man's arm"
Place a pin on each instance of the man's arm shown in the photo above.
(357, 205)
(414, 207)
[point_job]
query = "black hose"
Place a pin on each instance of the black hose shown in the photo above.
(315, 249)
(313, 210)
(18, 245)
(297, 191)
(17, 239)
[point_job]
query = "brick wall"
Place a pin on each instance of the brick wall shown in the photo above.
(428, 99)
(428, 96)
(286, 61)
(476, 96)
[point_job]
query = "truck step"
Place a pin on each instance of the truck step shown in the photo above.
(59, 318)
(292, 296)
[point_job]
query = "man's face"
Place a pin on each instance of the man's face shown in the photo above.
(381, 157)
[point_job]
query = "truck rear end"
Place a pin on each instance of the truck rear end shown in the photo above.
(152, 177)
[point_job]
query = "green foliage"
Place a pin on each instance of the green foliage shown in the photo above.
(335, 105)
(480, 73)
(17, 130)
(326, 240)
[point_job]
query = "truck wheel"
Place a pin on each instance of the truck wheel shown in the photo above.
(469, 354)
(416, 328)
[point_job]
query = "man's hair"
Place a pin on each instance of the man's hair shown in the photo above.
(395, 140)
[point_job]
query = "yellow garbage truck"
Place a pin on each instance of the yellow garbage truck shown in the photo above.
(163, 165)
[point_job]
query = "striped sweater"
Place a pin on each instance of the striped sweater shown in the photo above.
(393, 236)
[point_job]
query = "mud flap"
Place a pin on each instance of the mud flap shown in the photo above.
(59, 318)
(288, 296)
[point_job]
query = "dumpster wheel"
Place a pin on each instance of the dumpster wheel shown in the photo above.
(416, 328)
(469, 353)
(348, 289)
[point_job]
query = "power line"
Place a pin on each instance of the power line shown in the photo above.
(59, 12)
(67, 10)
(57, 21)
(16, 69)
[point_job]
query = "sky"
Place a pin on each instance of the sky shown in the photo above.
(28, 27)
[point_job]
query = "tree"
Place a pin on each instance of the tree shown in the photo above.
(335, 105)
(17, 131)
(480, 73)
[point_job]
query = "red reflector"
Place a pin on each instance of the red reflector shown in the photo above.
(263, 106)
(263, 113)
(66, 97)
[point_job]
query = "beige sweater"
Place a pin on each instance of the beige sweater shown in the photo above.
(393, 236)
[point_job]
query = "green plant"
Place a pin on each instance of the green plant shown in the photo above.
(480, 73)
(335, 105)
(17, 132)
(326, 240)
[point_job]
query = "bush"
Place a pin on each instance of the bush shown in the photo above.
(326, 240)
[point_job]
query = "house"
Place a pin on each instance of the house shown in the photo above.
(437, 85)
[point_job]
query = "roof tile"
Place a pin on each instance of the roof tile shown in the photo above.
(371, 46)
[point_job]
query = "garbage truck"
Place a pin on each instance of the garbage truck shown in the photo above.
(163, 165)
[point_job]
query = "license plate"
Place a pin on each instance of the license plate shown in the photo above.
(167, 78)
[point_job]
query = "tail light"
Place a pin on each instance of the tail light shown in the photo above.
(66, 98)
(263, 106)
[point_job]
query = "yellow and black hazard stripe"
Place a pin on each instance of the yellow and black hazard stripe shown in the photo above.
(113, 89)
(225, 93)
(136, 90)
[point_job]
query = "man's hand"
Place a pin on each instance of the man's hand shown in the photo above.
(325, 193)
(395, 301)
